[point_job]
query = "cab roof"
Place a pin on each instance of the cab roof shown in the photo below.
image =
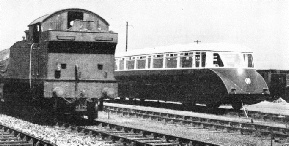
(47, 16)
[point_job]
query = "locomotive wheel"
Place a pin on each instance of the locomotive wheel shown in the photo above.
(93, 111)
(56, 110)
(237, 105)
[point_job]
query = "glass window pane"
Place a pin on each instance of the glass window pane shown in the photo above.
(186, 62)
(171, 62)
(217, 60)
(121, 65)
(141, 64)
(197, 59)
(203, 59)
(130, 64)
(232, 60)
(149, 62)
(158, 63)
(250, 60)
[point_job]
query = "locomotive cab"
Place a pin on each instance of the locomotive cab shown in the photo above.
(67, 60)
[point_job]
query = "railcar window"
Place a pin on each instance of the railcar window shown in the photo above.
(217, 60)
(115, 65)
(141, 62)
(121, 64)
(130, 63)
(248, 60)
(232, 60)
(171, 60)
(203, 59)
(149, 61)
(186, 60)
(81, 47)
(197, 59)
(158, 61)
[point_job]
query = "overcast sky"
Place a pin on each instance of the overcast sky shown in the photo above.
(262, 25)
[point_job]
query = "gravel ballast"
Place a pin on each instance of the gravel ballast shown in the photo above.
(206, 135)
(54, 134)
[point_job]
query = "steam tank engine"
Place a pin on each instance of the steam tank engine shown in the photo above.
(211, 74)
(66, 61)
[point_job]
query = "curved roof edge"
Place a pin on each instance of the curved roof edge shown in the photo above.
(45, 17)
(218, 47)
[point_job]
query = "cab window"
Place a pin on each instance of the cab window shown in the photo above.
(217, 60)
(248, 58)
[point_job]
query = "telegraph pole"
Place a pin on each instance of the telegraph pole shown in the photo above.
(126, 36)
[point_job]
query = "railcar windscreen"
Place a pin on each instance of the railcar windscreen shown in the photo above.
(217, 60)
(81, 47)
(232, 60)
(248, 60)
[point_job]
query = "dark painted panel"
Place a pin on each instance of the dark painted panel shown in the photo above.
(201, 85)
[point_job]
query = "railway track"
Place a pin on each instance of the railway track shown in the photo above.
(278, 133)
(114, 134)
(255, 115)
(102, 133)
(13, 137)
(138, 137)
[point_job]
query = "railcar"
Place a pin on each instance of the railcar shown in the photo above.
(211, 74)
(66, 62)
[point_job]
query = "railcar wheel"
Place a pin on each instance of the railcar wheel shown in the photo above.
(237, 105)
(142, 101)
(190, 106)
(213, 106)
(272, 98)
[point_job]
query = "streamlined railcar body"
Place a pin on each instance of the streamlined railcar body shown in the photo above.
(191, 74)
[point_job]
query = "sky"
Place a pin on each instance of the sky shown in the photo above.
(262, 25)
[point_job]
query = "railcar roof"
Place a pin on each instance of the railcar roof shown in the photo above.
(45, 17)
(212, 47)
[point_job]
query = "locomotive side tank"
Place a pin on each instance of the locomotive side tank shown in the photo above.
(66, 62)
(211, 74)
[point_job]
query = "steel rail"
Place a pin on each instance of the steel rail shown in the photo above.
(121, 135)
(11, 136)
(258, 115)
(203, 122)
